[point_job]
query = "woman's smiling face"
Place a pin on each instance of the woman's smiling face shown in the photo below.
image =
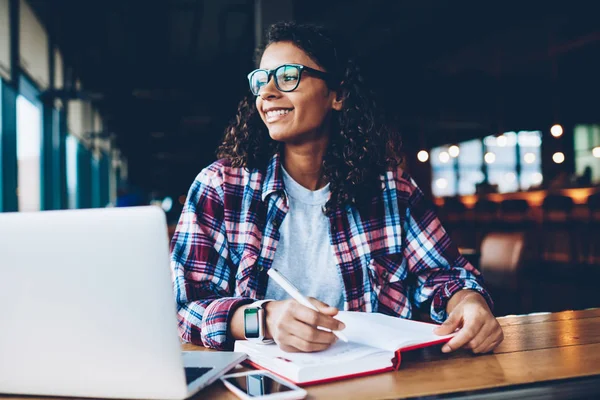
(303, 114)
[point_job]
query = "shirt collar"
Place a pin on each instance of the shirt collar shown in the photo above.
(273, 180)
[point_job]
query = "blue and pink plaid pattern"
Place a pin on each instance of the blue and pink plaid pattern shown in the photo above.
(393, 256)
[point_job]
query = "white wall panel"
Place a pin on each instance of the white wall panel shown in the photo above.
(33, 46)
(59, 79)
(76, 118)
(4, 39)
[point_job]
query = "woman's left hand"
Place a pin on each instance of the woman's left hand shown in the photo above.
(479, 330)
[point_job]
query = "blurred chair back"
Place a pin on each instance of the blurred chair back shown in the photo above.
(484, 219)
(593, 203)
(558, 230)
(592, 237)
(502, 252)
(515, 216)
(501, 263)
(557, 207)
(454, 219)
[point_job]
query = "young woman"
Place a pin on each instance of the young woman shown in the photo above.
(308, 183)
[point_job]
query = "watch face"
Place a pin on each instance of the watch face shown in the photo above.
(251, 323)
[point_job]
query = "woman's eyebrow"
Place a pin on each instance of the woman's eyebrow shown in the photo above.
(272, 67)
(284, 63)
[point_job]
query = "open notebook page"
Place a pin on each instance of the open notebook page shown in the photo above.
(339, 352)
(384, 331)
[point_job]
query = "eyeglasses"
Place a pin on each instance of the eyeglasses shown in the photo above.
(287, 77)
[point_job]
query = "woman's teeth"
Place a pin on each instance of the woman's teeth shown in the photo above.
(276, 113)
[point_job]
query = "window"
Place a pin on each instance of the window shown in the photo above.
(29, 136)
(72, 172)
(587, 151)
(444, 174)
(513, 162)
(470, 158)
(530, 146)
(501, 159)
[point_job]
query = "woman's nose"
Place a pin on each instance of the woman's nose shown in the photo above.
(269, 91)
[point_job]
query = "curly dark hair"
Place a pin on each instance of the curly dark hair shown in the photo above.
(361, 146)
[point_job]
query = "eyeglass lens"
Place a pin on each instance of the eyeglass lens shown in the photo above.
(287, 78)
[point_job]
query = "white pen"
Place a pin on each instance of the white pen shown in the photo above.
(299, 297)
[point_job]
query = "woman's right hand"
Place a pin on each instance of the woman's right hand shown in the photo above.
(294, 326)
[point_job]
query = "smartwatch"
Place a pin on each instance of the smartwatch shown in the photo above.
(254, 322)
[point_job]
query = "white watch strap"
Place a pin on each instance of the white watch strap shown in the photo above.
(260, 304)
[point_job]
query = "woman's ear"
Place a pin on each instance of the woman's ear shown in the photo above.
(338, 102)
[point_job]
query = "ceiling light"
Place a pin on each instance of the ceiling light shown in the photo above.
(423, 156)
(558, 157)
(556, 130)
(441, 183)
(444, 157)
(454, 151)
(489, 158)
(529, 158)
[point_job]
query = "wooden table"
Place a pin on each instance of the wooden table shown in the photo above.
(536, 348)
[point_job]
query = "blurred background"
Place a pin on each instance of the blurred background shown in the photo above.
(123, 102)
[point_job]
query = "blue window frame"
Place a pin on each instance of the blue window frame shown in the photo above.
(8, 145)
(96, 182)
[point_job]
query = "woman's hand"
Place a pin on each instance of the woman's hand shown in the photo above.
(294, 326)
(479, 330)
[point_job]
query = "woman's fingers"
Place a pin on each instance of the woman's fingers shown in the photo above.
(465, 335)
(323, 307)
(491, 338)
(315, 318)
(450, 325)
(303, 345)
(297, 328)
(309, 333)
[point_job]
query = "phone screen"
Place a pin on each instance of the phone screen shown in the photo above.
(256, 385)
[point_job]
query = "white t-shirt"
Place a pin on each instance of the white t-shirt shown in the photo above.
(304, 253)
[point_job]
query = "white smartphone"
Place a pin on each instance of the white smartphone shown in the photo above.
(262, 385)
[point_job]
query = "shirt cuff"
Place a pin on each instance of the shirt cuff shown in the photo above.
(447, 290)
(215, 322)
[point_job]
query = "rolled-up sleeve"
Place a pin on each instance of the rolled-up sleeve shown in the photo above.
(203, 275)
(435, 262)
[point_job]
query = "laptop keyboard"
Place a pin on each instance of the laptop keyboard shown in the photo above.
(191, 374)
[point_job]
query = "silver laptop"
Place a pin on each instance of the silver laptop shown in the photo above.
(87, 308)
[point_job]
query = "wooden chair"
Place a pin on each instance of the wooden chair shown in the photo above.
(501, 263)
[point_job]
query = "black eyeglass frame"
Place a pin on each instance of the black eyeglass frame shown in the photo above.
(327, 77)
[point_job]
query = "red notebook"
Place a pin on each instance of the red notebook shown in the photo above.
(375, 344)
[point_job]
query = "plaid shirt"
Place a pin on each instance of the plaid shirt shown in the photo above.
(392, 257)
